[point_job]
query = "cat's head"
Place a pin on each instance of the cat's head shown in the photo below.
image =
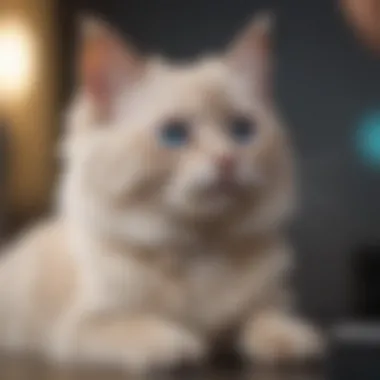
(195, 142)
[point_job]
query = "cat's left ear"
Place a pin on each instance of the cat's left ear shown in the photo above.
(106, 64)
(250, 54)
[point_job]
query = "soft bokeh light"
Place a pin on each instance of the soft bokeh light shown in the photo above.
(16, 58)
(363, 16)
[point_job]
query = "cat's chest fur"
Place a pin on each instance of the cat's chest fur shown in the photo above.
(209, 288)
(221, 286)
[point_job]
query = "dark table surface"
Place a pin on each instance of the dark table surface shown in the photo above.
(26, 369)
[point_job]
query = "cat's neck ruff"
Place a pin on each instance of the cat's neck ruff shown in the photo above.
(154, 232)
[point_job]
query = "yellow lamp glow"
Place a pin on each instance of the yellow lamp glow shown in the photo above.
(16, 59)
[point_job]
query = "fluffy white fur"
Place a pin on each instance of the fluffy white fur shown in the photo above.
(148, 260)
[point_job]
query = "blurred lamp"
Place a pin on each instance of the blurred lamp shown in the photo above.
(16, 59)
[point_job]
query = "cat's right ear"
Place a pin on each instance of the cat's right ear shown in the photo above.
(250, 53)
(106, 64)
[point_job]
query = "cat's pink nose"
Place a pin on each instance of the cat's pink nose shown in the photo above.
(226, 165)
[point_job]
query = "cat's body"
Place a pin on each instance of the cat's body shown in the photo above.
(209, 293)
(170, 218)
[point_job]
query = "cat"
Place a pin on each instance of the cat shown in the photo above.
(177, 183)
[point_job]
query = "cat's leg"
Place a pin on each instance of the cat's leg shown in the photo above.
(273, 333)
(138, 344)
(274, 336)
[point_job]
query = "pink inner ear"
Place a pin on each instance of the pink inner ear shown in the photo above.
(264, 57)
(96, 70)
(256, 55)
(98, 87)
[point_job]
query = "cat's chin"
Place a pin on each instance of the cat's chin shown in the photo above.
(206, 210)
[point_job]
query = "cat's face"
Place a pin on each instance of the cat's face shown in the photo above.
(196, 141)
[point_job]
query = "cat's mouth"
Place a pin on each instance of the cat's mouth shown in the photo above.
(226, 187)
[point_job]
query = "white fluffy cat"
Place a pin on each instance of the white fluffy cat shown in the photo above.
(177, 183)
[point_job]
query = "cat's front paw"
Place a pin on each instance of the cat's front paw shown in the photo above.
(275, 338)
(164, 347)
(139, 345)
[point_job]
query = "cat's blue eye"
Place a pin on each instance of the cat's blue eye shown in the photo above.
(241, 129)
(175, 133)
